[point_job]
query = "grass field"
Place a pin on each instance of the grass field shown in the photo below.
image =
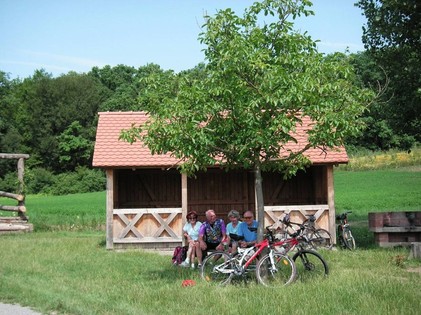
(64, 268)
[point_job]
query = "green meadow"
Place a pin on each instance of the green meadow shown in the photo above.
(64, 268)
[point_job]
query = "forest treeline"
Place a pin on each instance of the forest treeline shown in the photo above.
(54, 119)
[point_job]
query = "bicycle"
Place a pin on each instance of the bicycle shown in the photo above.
(272, 268)
(346, 239)
(318, 238)
(309, 263)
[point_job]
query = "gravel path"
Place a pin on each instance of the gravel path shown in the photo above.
(15, 309)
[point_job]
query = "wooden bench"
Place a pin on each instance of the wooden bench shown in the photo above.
(395, 228)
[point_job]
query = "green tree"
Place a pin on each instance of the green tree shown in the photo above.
(392, 37)
(75, 147)
(261, 79)
(43, 107)
(125, 85)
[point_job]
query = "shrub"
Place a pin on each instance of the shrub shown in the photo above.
(82, 181)
(9, 183)
(42, 181)
(38, 180)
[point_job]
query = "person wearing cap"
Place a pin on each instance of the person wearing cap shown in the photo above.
(191, 233)
(232, 229)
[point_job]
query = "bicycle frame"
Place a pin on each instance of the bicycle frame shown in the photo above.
(343, 221)
(258, 249)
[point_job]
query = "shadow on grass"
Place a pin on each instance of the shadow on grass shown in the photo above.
(170, 273)
(363, 237)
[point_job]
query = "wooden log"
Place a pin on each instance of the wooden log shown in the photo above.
(13, 156)
(13, 208)
(4, 228)
(13, 220)
(18, 197)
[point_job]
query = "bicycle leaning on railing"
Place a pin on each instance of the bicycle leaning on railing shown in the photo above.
(318, 238)
(345, 237)
(309, 263)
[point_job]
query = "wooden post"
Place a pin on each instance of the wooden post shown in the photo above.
(21, 166)
(331, 202)
(110, 208)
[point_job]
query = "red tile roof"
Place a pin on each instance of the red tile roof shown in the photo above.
(110, 152)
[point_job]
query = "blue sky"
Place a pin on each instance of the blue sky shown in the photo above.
(76, 35)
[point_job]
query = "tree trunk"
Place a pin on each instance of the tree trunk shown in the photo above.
(258, 189)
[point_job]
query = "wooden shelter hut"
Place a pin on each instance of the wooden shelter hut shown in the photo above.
(147, 198)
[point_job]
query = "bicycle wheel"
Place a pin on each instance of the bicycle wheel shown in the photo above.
(321, 238)
(348, 239)
(310, 265)
(217, 268)
(281, 272)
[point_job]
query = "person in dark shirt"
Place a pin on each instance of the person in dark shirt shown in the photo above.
(212, 232)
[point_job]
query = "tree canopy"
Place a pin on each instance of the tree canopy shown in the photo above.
(260, 78)
(392, 37)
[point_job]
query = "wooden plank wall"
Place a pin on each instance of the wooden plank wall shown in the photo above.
(221, 191)
(217, 189)
(148, 188)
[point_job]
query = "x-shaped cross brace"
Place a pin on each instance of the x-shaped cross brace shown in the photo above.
(130, 225)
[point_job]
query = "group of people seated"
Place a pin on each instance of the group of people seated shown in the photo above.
(213, 234)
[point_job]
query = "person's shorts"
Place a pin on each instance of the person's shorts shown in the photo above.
(210, 246)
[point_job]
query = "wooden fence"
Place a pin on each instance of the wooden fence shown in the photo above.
(17, 223)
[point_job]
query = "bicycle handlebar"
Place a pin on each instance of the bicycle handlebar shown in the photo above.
(343, 215)
(287, 222)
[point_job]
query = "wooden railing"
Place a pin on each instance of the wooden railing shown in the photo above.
(164, 225)
(151, 225)
(298, 214)
(17, 223)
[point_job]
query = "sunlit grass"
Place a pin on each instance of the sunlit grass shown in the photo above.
(72, 273)
(381, 190)
(384, 160)
(63, 266)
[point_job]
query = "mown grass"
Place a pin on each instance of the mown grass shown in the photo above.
(380, 190)
(76, 212)
(363, 192)
(63, 267)
(72, 273)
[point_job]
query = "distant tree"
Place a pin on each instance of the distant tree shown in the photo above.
(392, 37)
(47, 106)
(75, 147)
(10, 139)
(125, 85)
(260, 79)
